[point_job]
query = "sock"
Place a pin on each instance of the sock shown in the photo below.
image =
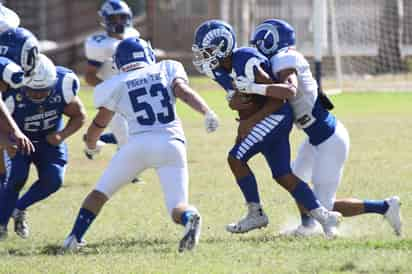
(82, 223)
(375, 206)
(37, 192)
(249, 188)
(8, 198)
(307, 220)
(186, 216)
(305, 196)
(108, 138)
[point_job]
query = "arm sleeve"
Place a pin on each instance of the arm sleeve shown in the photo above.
(94, 53)
(10, 72)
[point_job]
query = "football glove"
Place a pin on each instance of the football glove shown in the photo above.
(91, 152)
(211, 121)
(243, 84)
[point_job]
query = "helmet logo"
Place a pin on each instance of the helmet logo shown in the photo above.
(219, 33)
(272, 33)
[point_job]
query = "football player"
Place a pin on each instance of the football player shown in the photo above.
(117, 20)
(38, 108)
(264, 127)
(145, 93)
(322, 155)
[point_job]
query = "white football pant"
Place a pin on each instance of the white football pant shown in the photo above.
(149, 150)
(118, 126)
(323, 164)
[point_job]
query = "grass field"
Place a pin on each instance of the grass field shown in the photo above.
(134, 234)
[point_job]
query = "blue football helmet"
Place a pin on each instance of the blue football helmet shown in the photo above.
(20, 46)
(214, 40)
(272, 35)
(115, 7)
(132, 53)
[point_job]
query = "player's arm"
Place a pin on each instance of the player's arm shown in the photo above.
(285, 89)
(77, 117)
(90, 75)
(96, 128)
(184, 92)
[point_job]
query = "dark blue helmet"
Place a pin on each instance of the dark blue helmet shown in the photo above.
(214, 40)
(115, 7)
(132, 53)
(272, 35)
(20, 46)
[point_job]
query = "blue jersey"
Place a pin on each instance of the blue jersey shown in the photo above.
(244, 63)
(10, 72)
(37, 120)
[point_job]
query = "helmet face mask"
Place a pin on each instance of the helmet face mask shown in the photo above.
(116, 16)
(40, 84)
(214, 41)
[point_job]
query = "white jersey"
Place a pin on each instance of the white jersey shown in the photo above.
(145, 98)
(100, 48)
(8, 19)
(307, 92)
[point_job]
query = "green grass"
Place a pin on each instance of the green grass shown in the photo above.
(134, 234)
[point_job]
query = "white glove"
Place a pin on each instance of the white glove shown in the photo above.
(211, 121)
(244, 85)
(91, 152)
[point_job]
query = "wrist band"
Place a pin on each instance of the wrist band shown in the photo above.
(97, 124)
(259, 89)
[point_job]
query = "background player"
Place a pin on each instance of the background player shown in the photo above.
(38, 108)
(145, 93)
(117, 20)
(322, 155)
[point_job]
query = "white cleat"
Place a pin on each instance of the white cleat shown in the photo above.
(255, 218)
(20, 224)
(330, 221)
(302, 231)
(192, 233)
(393, 214)
(3, 232)
(71, 244)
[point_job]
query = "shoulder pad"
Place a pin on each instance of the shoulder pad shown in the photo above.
(174, 70)
(68, 83)
(106, 93)
(287, 59)
(131, 32)
(11, 73)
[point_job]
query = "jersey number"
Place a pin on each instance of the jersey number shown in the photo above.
(39, 125)
(150, 117)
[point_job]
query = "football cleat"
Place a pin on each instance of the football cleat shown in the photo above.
(329, 220)
(20, 224)
(3, 232)
(393, 214)
(192, 233)
(255, 218)
(71, 244)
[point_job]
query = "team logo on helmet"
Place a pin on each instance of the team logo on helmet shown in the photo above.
(226, 44)
(267, 38)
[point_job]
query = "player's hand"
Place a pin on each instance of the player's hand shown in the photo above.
(243, 84)
(211, 121)
(23, 143)
(91, 151)
(54, 138)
